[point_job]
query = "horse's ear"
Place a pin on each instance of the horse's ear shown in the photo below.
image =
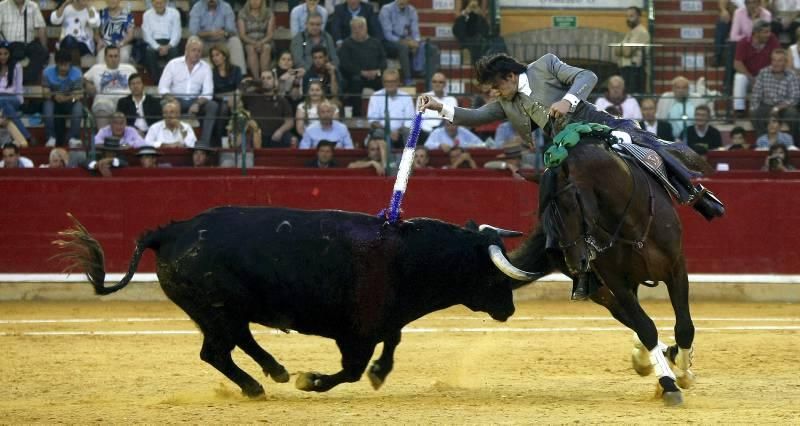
(530, 175)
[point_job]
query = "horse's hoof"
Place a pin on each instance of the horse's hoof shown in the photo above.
(279, 375)
(672, 399)
(685, 380)
(640, 360)
(374, 379)
(254, 392)
(307, 382)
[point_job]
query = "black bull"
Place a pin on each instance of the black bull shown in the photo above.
(346, 276)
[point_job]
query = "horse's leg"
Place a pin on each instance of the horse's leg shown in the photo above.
(646, 330)
(681, 353)
(640, 357)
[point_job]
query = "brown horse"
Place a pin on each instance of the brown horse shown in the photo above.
(602, 215)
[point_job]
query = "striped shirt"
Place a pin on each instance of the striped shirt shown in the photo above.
(772, 88)
(12, 21)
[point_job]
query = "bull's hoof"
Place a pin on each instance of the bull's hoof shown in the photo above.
(685, 379)
(253, 392)
(672, 399)
(308, 381)
(279, 375)
(374, 376)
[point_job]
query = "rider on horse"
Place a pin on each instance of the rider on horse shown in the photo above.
(550, 91)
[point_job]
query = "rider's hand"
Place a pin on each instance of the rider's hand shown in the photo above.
(559, 109)
(427, 102)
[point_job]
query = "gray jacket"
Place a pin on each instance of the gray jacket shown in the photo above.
(549, 79)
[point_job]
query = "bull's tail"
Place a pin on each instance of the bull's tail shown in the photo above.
(83, 252)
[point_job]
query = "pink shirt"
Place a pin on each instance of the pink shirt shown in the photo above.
(742, 25)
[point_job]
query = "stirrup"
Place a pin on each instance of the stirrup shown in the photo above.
(698, 191)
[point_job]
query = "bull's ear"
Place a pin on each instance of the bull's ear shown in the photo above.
(471, 225)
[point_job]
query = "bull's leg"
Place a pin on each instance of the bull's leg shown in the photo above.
(382, 366)
(268, 363)
(648, 335)
(217, 347)
(355, 356)
(681, 353)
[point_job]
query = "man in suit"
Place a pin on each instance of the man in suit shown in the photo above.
(530, 95)
(339, 24)
(660, 128)
(140, 109)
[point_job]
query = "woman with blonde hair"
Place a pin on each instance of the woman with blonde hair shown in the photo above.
(307, 110)
(256, 25)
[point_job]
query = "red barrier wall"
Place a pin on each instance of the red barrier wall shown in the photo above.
(758, 235)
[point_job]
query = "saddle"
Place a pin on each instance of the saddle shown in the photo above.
(648, 160)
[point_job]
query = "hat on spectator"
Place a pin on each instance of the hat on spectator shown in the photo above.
(110, 144)
(511, 150)
(325, 142)
(148, 150)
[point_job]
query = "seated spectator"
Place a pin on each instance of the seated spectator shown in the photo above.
(213, 21)
(141, 110)
(794, 53)
(738, 140)
(510, 159)
(472, 31)
(323, 70)
(116, 29)
(202, 156)
(57, 159)
(460, 159)
(307, 111)
(774, 136)
(422, 158)
(777, 159)
(402, 40)
(272, 112)
(289, 78)
(376, 156)
(431, 119)
(326, 129)
(227, 78)
(776, 92)
(400, 108)
(362, 61)
(300, 14)
(77, 20)
(677, 107)
(26, 41)
(616, 96)
(118, 129)
(313, 36)
(107, 82)
(324, 159)
(61, 89)
(11, 89)
(702, 137)
(161, 31)
(256, 25)
(190, 80)
(109, 158)
(171, 131)
(342, 19)
(451, 135)
(12, 159)
(752, 55)
(649, 122)
(148, 157)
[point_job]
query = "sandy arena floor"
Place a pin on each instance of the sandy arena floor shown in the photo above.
(137, 362)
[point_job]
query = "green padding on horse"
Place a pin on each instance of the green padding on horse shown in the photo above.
(570, 137)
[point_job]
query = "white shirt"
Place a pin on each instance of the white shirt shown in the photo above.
(160, 134)
(630, 107)
(111, 85)
(401, 109)
(430, 118)
(24, 163)
(157, 27)
(180, 82)
(140, 122)
(523, 87)
(77, 24)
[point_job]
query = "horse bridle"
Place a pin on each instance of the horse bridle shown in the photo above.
(586, 235)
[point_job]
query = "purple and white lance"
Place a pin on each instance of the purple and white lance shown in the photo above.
(404, 171)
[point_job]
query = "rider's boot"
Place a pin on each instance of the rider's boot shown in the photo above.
(580, 287)
(697, 196)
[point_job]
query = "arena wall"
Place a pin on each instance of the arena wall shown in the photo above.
(758, 235)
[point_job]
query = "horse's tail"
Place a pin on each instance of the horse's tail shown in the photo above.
(84, 253)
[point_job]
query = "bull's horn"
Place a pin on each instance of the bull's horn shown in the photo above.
(500, 231)
(507, 268)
